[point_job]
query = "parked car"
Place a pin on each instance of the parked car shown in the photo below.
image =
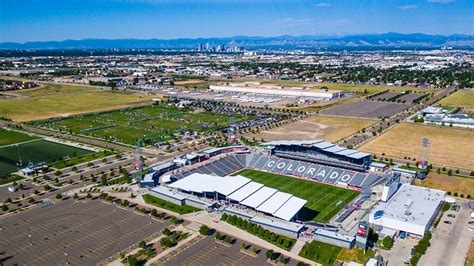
(451, 215)
(447, 222)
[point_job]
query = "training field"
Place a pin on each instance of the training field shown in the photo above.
(55, 100)
(461, 185)
(151, 123)
(329, 128)
(8, 137)
(367, 109)
(461, 98)
(324, 201)
(35, 151)
(450, 147)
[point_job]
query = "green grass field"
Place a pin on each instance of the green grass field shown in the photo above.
(461, 98)
(168, 205)
(322, 199)
(80, 159)
(55, 100)
(321, 253)
(8, 137)
(35, 151)
(150, 123)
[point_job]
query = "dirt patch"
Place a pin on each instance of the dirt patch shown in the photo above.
(461, 185)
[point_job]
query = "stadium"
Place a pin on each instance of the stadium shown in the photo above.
(266, 187)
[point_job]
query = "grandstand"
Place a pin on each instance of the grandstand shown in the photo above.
(321, 152)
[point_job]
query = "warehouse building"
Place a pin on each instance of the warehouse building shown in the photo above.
(411, 210)
(334, 238)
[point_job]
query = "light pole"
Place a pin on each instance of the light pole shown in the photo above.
(29, 236)
(151, 220)
(65, 254)
(115, 206)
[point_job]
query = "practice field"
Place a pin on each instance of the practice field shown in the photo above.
(320, 252)
(460, 185)
(324, 201)
(55, 100)
(8, 137)
(367, 109)
(35, 151)
(329, 128)
(151, 123)
(461, 98)
(450, 147)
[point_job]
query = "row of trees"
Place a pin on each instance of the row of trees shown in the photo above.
(265, 234)
(420, 249)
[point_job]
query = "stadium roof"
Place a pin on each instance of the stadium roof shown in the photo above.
(323, 145)
(288, 226)
(346, 152)
(334, 235)
(168, 192)
(358, 155)
(259, 197)
(290, 208)
(273, 203)
(201, 183)
(245, 191)
(335, 149)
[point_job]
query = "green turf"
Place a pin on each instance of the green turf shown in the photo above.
(10, 179)
(322, 199)
(8, 137)
(81, 159)
(168, 205)
(321, 253)
(35, 151)
(152, 123)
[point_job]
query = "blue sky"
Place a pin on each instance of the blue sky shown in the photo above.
(42, 20)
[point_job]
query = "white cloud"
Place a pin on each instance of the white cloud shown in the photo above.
(407, 7)
(323, 4)
(295, 22)
(441, 1)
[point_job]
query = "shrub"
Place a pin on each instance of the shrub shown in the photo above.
(59, 196)
(204, 230)
(387, 242)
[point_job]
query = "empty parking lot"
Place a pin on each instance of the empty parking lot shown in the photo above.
(88, 231)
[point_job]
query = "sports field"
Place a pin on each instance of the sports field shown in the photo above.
(35, 151)
(324, 201)
(328, 128)
(8, 137)
(461, 98)
(55, 100)
(450, 147)
(151, 123)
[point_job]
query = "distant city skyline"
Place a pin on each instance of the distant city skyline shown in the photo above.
(31, 20)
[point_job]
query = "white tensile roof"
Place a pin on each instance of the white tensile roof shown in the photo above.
(273, 203)
(201, 183)
(290, 208)
(245, 191)
(259, 197)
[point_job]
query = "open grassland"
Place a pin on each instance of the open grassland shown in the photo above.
(329, 128)
(324, 201)
(454, 184)
(35, 151)
(450, 147)
(8, 137)
(53, 100)
(153, 123)
(461, 98)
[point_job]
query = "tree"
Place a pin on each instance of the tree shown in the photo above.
(387, 242)
(75, 196)
(47, 187)
(154, 212)
(269, 254)
(103, 180)
(282, 259)
(218, 236)
(59, 196)
(142, 244)
(4, 208)
(132, 261)
(204, 230)
(166, 231)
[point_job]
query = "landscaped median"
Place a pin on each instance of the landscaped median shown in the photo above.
(283, 242)
(168, 205)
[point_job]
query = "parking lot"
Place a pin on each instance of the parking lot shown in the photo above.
(76, 232)
(205, 251)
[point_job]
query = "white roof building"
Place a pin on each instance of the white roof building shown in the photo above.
(411, 209)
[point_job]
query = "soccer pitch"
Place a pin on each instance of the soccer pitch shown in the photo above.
(152, 123)
(8, 137)
(324, 201)
(35, 151)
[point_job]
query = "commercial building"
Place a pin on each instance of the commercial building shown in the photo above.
(334, 238)
(411, 209)
(262, 89)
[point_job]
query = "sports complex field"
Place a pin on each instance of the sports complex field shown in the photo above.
(461, 98)
(8, 137)
(34, 151)
(450, 147)
(329, 128)
(151, 123)
(55, 100)
(324, 201)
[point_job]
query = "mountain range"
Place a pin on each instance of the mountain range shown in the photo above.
(362, 41)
